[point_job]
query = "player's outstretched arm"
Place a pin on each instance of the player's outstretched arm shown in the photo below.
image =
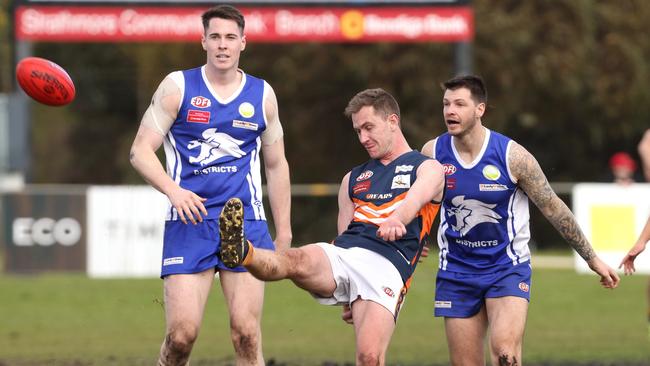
(628, 261)
(156, 122)
(428, 186)
(530, 177)
(276, 169)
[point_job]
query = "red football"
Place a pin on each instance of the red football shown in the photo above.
(45, 81)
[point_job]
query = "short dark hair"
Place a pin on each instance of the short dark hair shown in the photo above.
(377, 98)
(228, 12)
(474, 83)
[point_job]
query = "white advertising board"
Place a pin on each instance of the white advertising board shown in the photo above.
(125, 231)
(612, 217)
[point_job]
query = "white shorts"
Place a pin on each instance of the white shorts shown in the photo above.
(362, 273)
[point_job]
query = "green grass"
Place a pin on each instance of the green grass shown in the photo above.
(69, 319)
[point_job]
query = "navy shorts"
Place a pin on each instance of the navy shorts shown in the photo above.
(191, 248)
(461, 295)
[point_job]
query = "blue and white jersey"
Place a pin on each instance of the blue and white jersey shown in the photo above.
(213, 146)
(484, 221)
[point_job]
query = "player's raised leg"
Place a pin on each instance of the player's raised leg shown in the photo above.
(244, 296)
(507, 323)
(185, 298)
(308, 266)
(465, 339)
(374, 326)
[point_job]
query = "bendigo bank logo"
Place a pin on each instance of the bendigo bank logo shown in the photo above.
(200, 102)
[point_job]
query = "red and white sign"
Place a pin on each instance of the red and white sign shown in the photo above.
(264, 24)
(198, 116)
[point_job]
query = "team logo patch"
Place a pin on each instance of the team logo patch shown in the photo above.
(365, 175)
(492, 187)
(246, 110)
(213, 146)
(443, 304)
(491, 172)
(195, 116)
(245, 125)
(200, 102)
(388, 291)
(401, 181)
(523, 286)
(403, 168)
(172, 260)
(361, 187)
(449, 169)
(469, 213)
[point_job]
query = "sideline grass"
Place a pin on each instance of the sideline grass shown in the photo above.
(69, 319)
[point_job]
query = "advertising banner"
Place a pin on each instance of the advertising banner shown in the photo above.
(263, 24)
(612, 217)
(125, 231)
(45, 232)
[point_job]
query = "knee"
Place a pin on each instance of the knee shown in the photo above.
(245, 338)
(506, 355)
(369, 358)
(179, 341)
(507, 359)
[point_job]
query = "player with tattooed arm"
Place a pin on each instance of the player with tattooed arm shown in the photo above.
(483, 282)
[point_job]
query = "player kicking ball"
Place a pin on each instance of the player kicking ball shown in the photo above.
(386, 208)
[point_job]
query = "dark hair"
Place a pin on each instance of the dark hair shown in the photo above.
(472, 82)
(228, 12)
(377, 98)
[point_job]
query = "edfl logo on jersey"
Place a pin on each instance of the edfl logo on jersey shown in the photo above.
(449, 169)
(200, 102)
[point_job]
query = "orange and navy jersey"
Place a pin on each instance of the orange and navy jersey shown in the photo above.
(376, 191)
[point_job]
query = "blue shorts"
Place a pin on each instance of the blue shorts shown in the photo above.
(191, 248)
(461, 295)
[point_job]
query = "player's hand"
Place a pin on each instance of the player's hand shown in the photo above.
(391, 229)
(608, 276)
(628, 261)
(188, 205)
(347, 314)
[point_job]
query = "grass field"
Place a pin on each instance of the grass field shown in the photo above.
(72, 320)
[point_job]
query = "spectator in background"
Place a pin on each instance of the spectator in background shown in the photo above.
(628, 261)
(622, 167)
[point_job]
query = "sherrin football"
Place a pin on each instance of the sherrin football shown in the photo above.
(45, 81)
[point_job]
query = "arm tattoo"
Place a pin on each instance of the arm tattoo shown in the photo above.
(532, 180)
